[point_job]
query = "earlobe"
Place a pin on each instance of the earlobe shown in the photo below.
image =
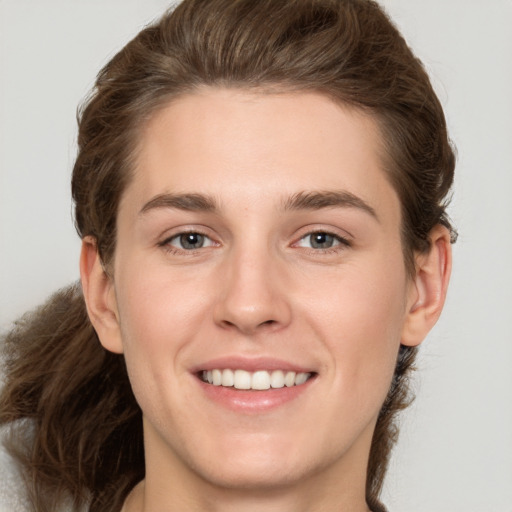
(99, 294)
(429, 287)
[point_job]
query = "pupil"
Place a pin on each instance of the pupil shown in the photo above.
(191, 240)
(321, 240)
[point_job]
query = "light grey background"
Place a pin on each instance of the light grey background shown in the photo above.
(455, 450)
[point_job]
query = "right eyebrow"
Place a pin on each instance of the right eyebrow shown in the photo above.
(188, 202)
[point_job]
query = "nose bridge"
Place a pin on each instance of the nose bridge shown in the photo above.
(252, 295)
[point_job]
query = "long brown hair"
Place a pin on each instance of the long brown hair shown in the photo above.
(84, 425)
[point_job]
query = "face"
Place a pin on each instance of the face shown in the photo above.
(259, 249)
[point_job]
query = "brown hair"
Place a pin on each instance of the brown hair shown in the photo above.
(87, 437)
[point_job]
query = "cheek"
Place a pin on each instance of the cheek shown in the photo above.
(154, 310)
(158, 321)
(164, 311)
(159, 317)
(360, 321)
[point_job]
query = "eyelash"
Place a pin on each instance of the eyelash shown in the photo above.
(340, 242)
(166, 244)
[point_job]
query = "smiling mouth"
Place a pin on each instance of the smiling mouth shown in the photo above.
(258, 380)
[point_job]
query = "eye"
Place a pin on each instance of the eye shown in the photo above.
(189, 241)
(321, 240)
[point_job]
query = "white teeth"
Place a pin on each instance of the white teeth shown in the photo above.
(277, 379)
(228, 378)
(289, 379)
(301, 378)
(217, 377)
(259, 380)
(242, 379)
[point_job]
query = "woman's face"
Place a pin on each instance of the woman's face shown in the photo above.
(259, 245)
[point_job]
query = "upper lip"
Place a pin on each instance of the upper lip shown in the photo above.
(250, 364)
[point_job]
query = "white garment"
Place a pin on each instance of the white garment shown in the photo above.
(13, 494)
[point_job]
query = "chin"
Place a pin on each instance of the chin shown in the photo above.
(267, 462)
(256, 475)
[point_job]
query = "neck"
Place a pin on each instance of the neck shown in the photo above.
(174, 485)
(140, 500)
(330, 490)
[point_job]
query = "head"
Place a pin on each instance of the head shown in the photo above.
(225, 55)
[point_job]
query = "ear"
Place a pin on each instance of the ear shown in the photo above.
(100, 298)
(429, 287)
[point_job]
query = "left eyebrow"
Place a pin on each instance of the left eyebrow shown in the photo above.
(316, 200)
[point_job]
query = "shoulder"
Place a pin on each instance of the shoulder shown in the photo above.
(13, 494)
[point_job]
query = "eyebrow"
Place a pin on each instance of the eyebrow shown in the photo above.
(317, 200)
(187, 202)
(304, 200)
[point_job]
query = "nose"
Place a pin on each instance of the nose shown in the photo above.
(253, 295)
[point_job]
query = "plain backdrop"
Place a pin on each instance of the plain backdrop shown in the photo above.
(455, 449)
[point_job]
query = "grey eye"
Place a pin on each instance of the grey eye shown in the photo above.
(321, 240)
(190, 241)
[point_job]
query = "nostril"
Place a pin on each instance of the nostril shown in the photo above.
(267, 324)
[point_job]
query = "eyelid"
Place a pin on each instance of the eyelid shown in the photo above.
(337, 239)
(340, 234)
(177, 237)
(165, 242)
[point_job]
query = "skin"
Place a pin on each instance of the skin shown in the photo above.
(260, 287)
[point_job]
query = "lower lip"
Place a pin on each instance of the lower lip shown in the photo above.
(253, 401)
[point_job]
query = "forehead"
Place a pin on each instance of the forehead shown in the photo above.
(228, 143)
